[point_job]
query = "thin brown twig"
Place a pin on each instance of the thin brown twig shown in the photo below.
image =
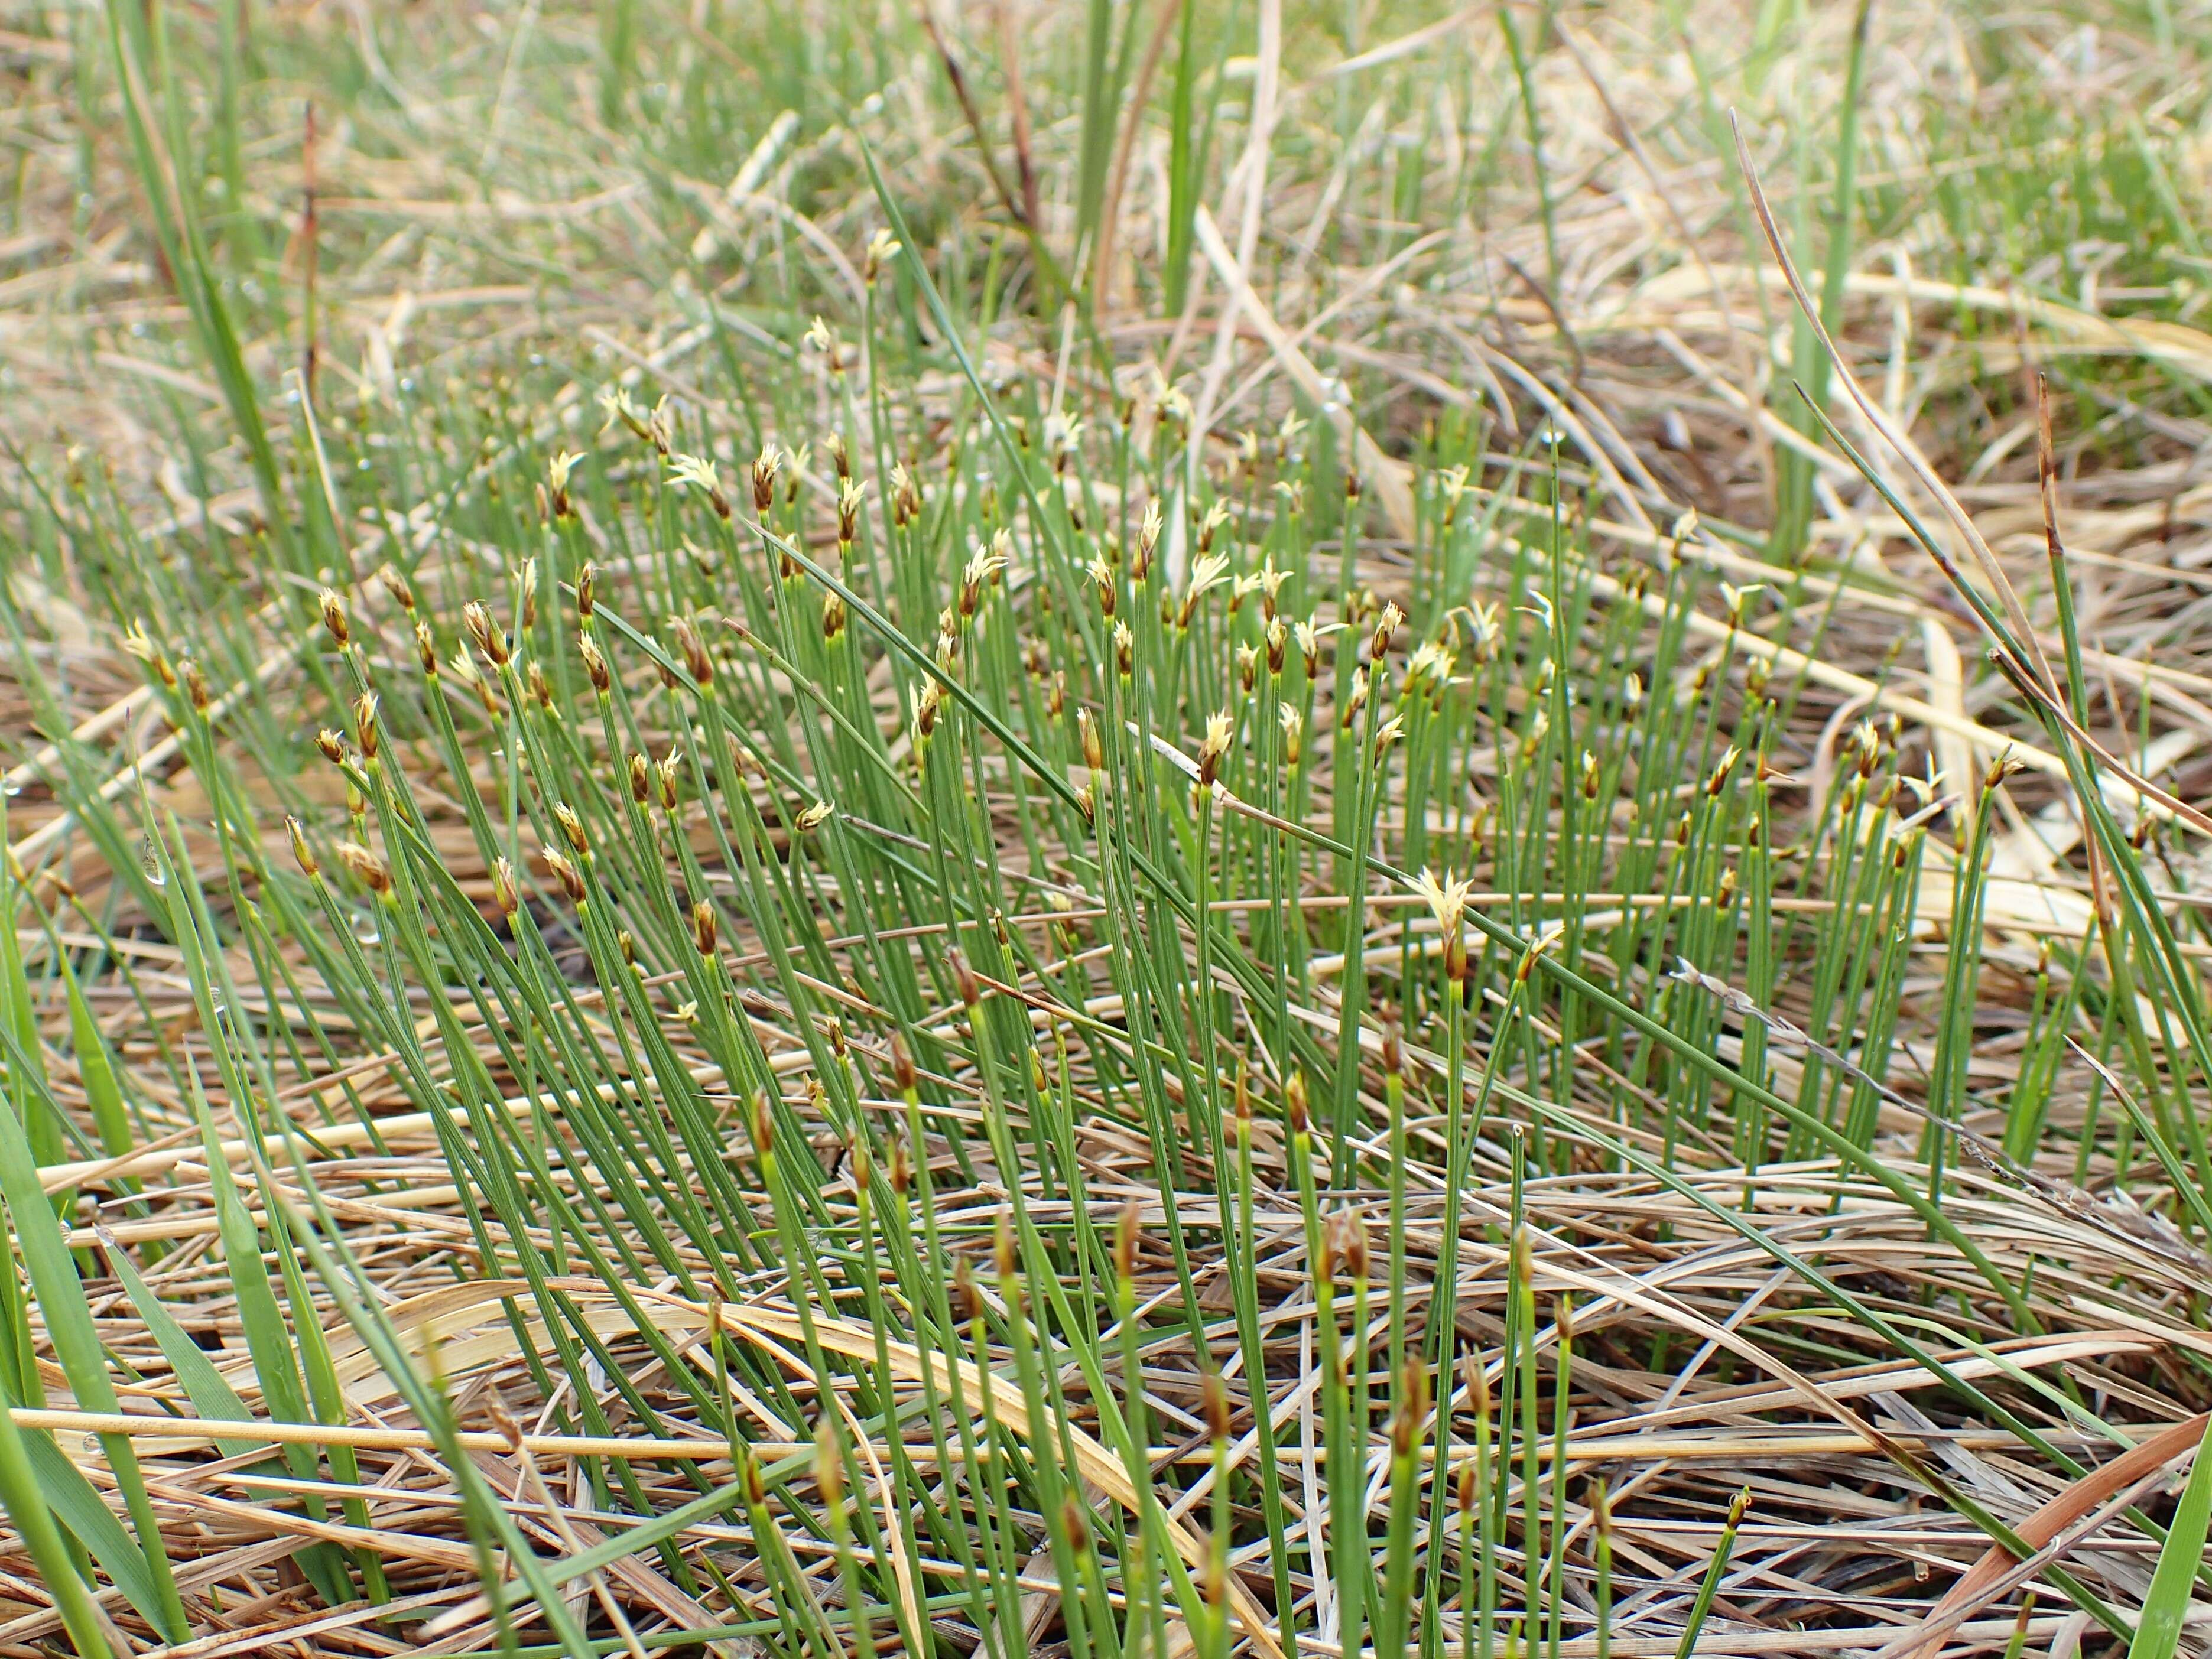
(958, 78)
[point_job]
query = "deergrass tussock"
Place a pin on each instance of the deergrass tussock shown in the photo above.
(1121, 833)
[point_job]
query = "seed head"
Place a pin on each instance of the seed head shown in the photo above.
(571, 879)
(768, 466)
(595, 665)
(302, 851)
(967, 1300)
(1355, 1245)
(1386, 626)
(1428, 669)
(1214, 744)
(660, 426)
(1478, 1383)
(1295, 1108)
(1726, 764)
(828, 1466)
(334, 618)
(1447, 899)
(1206, 573)
(640, 781)
(1294, 729)
(572, 828)
(1866, 741)
(486, 633)
(984, 565)
(502, 887)
(137, 644)
(850, 495)
(1102, 575)
(964, 981)
(1735, 598)
(615, 401)
(556, 475)
(1217, 515)
(426, 650)
(1482, 621)
(1412, 1406)
(1355, 698)
(882, 247)
(1213, 1582)
(587, 579)
(695, 658)
(367, 867)
(1094, 754)
(703, 927)
(1452, 481)
(812, 818)
(364, 724)
(925, 703)
(1074, 1523)
(698, 472)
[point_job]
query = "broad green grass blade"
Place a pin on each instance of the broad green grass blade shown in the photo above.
(2174, 1581)
(32, 1496)
(61, 1298)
